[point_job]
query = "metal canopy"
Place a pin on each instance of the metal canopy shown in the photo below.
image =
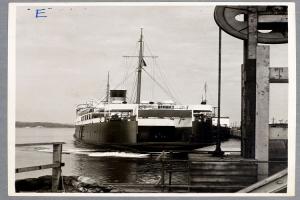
(272, 22)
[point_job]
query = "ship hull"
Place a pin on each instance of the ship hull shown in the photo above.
(103, 133)
(146, 138)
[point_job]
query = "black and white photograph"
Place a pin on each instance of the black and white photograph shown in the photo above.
(151, 99)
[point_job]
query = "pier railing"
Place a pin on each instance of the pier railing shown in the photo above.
(167, 172)
(169, 169)
(55, 165)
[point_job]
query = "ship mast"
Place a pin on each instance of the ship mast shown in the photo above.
(140, 66)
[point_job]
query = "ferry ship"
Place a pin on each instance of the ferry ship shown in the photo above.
(144, 124)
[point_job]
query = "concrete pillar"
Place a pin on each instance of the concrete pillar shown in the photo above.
(262, 110)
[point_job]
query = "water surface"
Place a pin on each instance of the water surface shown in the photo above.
(104, 165)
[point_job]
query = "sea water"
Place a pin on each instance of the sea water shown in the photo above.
(104, 165)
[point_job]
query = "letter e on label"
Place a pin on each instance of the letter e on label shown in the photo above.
(40, 13)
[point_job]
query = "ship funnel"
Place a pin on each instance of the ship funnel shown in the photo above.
(118, 96)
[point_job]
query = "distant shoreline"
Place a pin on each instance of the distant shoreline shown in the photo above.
(42, 125)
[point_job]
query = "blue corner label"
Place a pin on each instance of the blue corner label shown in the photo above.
(40, 13)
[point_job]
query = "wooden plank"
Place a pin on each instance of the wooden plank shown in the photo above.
(272, 18)
(273, 183)
(38, 144)
(38, 167)
(279, 75)
(223, 167)
(228, 161)
(223, 179)
(228, 172)
(262, 110)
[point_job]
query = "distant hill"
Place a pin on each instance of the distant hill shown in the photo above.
(43, 124)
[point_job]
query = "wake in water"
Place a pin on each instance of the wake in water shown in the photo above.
(69, 151)
(95, 153)
(118, 154)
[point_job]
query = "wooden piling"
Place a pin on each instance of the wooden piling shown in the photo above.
(249, 94)
(162, 175)
(56, 171)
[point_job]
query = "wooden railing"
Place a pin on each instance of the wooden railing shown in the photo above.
(55, 165)
(167, 169)
(273, 184)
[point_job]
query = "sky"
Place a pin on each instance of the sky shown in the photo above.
(63, 59)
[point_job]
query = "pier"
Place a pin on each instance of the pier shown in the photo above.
(215, 172)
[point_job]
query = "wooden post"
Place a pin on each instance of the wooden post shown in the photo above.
(170, 180)
(162, 175)
(242, 125)
(262, 110)
(170, 171)
(56, 172)
(249, 94)
(189, 175)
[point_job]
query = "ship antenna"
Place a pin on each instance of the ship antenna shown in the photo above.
(140, 66)
(107, 89)
(205, 90)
